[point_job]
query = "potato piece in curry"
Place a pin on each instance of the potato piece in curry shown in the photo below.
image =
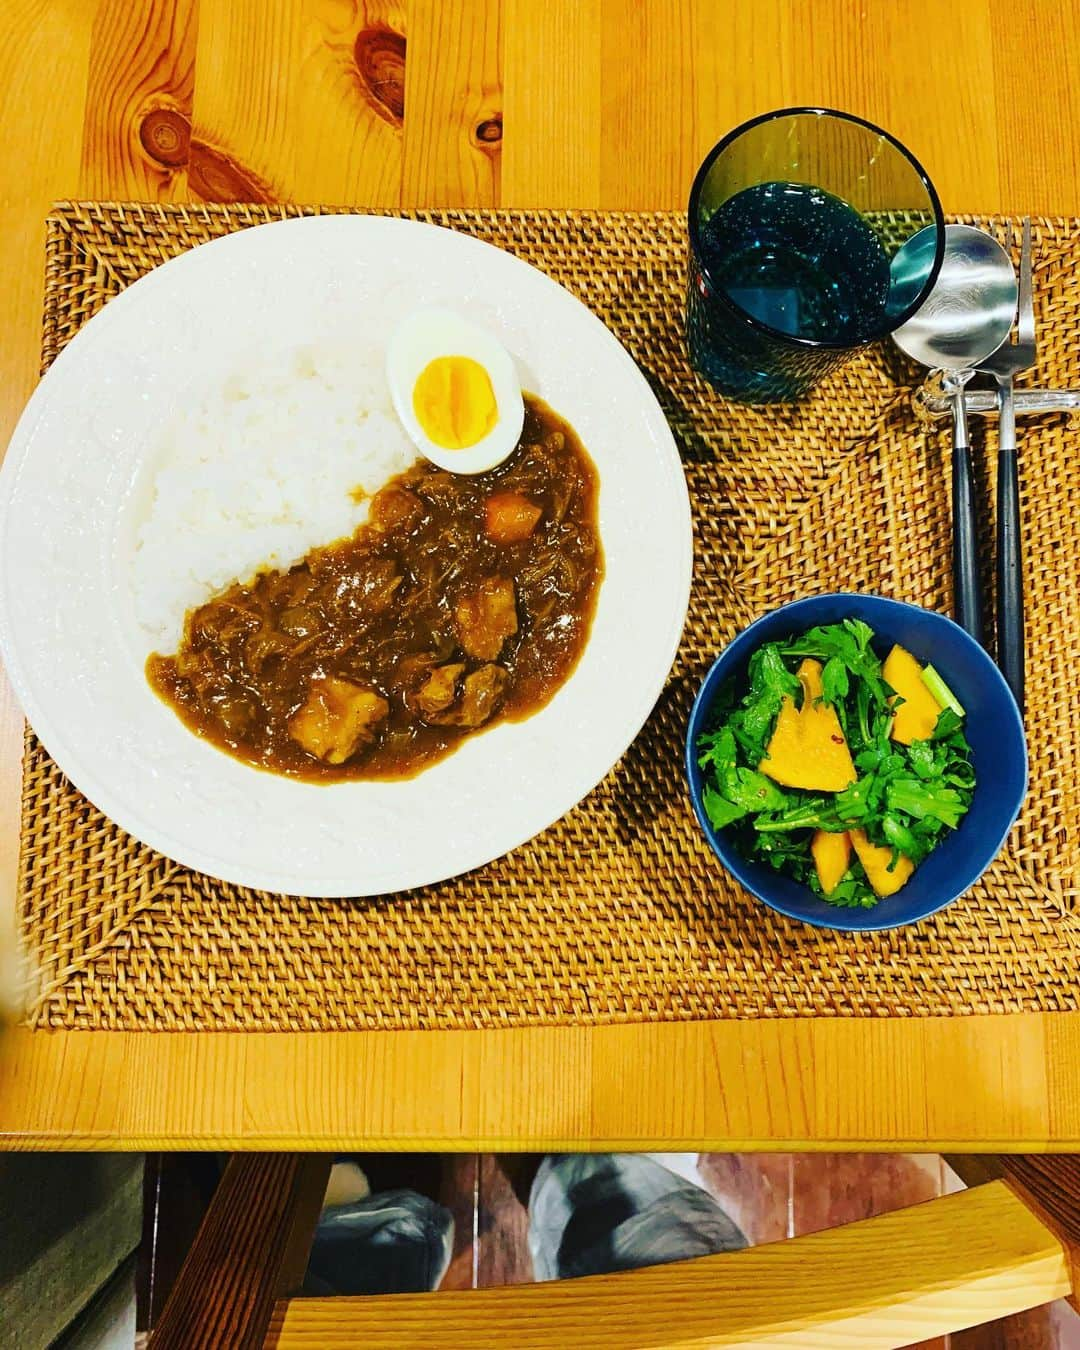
(463, 601)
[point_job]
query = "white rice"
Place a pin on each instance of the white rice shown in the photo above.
(260, 471)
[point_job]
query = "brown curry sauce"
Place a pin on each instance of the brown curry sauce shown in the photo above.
(463, 601)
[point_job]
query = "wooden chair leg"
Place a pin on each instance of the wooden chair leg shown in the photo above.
(1048, 1183)
(250, 1251)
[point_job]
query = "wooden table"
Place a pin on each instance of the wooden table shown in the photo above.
(608, 103)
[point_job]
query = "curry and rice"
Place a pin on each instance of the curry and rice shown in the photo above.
(334, 607)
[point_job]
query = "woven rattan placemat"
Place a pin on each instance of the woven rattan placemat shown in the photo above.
(619, 912)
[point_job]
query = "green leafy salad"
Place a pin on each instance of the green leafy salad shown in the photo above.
(835, 768)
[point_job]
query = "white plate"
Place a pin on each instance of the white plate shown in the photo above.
(70, 498)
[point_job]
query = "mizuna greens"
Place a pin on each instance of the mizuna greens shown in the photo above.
(897, 800)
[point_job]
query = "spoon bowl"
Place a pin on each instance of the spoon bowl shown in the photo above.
(971, 308)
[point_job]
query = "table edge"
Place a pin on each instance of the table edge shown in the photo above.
(990, 1083)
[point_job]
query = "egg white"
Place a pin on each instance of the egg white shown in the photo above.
(423, 336)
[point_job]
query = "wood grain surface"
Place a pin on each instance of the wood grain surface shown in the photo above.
(874, 1285)
(251, 1250)
(1050, 1187)
(1048, 1184)
(957, 1084)
(606, 103)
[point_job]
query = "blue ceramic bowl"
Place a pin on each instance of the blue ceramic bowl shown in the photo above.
(993, 727)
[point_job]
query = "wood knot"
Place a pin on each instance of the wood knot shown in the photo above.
(489, 132)
(165, 135)
(380, 61)
(214, 176)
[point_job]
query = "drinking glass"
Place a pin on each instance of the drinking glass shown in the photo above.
(794, 220)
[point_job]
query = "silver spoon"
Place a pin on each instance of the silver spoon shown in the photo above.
(967, 316)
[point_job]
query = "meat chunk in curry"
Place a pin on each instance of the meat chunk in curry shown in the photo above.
(462, 601)
(438, 692)
(484, 689)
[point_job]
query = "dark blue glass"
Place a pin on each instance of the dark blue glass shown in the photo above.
(794, 221)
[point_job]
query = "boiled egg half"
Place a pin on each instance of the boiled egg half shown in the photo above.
(455, 389)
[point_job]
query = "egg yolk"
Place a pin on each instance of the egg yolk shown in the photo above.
(454, 402)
